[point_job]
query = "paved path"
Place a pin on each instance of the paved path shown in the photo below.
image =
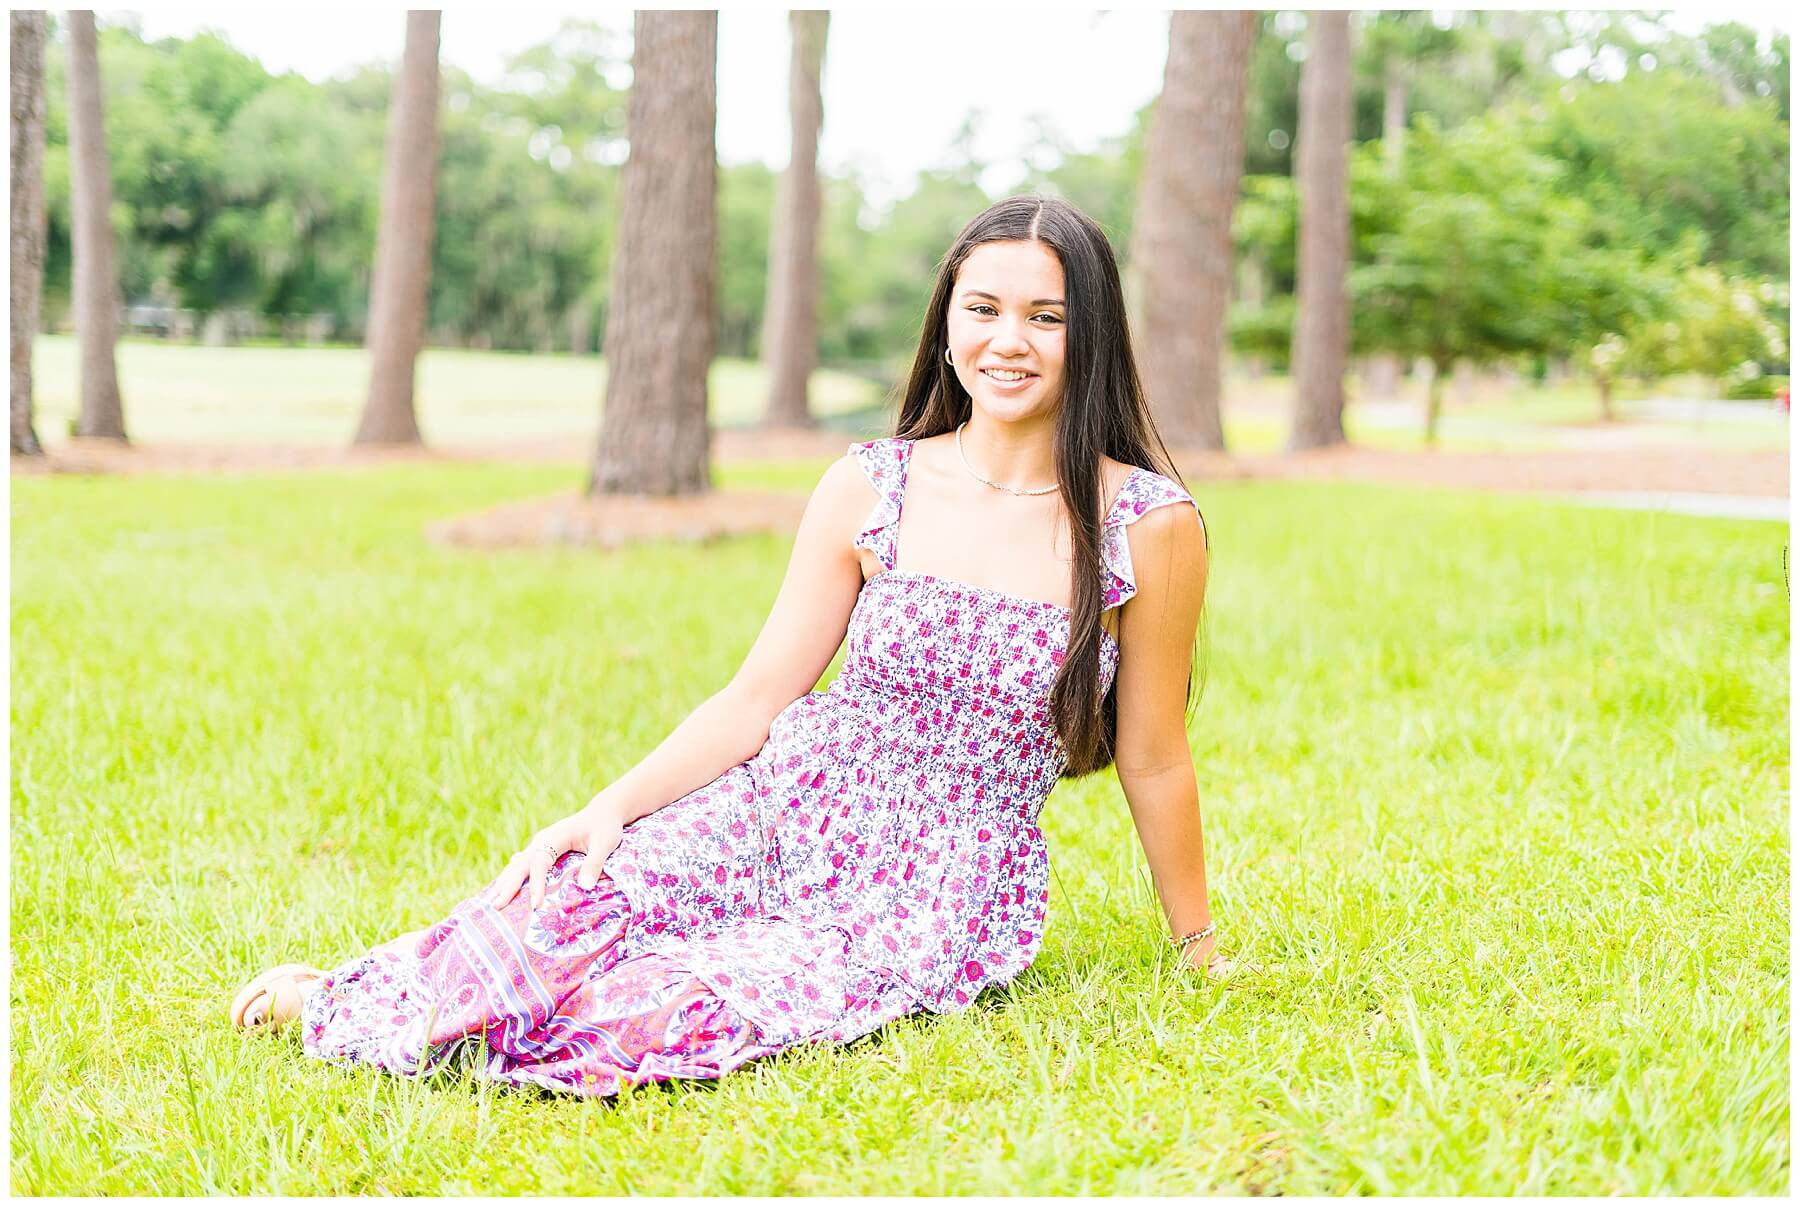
(1735, 507)
(1642, 423)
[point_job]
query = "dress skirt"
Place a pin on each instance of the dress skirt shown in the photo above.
(880, 856)
(547, 989)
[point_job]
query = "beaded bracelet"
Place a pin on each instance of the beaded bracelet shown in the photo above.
(1194, 936)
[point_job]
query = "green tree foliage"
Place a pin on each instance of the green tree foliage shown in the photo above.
(1265, 229)
(527, 193)
(295, 216)
(1661, 154)
(1272, 105)
(518, 215)
(1598, 294)
(1714, 325)
(1732, 56)
(1103, 182)
(1558, 216)
(848, 327)
(746, 199)
(168, 106)
(1459, 255)
(890, 280)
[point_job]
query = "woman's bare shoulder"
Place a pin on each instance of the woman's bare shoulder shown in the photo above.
(846, 482)
(1113, 475)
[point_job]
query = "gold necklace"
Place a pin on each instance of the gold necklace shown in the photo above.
(1011, 490)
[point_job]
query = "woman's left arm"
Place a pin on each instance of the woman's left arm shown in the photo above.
(1155, 767)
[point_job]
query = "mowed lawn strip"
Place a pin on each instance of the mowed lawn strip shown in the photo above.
(1495, 793)
(263, 394)
(179, 393)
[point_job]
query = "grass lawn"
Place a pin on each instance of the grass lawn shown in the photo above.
(1496, 793)
(182, 393)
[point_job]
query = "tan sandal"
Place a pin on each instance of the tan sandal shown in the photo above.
(272, 999)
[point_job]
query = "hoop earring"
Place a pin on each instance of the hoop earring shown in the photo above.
(947, 359)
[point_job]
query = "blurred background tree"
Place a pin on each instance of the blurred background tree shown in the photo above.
(1653, 153)
(1460, 240)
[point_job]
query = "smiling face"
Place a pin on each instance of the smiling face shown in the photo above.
(1006, 326)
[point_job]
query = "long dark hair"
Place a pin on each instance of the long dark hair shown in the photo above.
(1103, 413)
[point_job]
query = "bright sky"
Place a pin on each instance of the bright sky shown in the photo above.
(898, 80)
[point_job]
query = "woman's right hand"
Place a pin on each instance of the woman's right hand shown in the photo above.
(595, 831)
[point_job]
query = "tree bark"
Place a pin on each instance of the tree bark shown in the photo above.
(1393, 115)
(96, 270)
(1322, 304)
(402, 279)
(28, 233)
(790, 343)
(660, 326)
(1181, 250)
(1434, 400)
(1603, 383)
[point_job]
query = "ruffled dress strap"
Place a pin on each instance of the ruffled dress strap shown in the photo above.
(1144, 491)
(884, 462)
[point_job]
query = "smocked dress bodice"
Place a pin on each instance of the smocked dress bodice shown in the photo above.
(882, 853)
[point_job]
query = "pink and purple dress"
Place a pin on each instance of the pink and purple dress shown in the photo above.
(879, 856)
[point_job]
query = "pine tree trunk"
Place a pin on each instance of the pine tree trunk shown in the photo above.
(660, 326)
(1393, 115)
(28, 233)
(790, 317)
(96, 271)
(402, 279)
(1322, 305)
(1434, 400)
(1181, 249)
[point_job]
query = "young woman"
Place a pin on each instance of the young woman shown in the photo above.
(1020, 585)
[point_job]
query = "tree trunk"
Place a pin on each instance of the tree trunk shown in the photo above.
(1393, 115)
(1181, 249)
(790, 343)
(403, 245)
(28, 233)
(660, 326)
(1603, 383)
(96, 271)
(1434, 400)
(1322, 304)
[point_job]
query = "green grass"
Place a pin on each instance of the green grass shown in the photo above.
(1495, 790)
(178, 393)
(183, 393)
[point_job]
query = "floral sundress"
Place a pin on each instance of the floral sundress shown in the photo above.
(879, 856)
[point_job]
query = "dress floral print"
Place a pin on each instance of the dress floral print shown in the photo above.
(879, 856)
